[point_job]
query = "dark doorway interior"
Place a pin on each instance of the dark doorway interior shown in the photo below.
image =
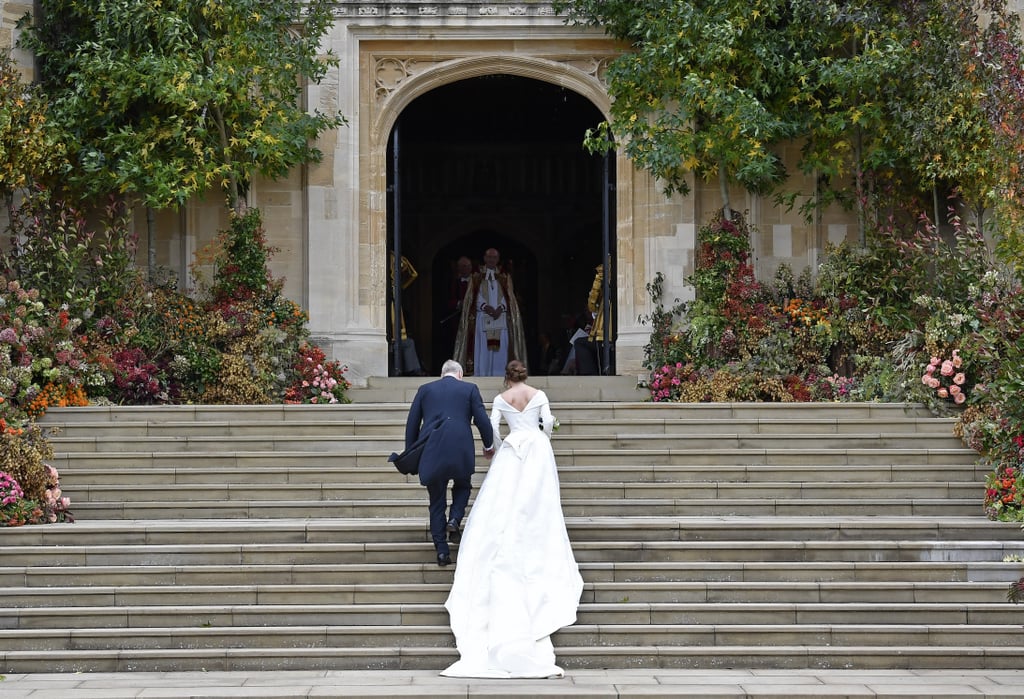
(497, 161)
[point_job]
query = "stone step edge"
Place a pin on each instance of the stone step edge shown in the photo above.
(1009, 652)
(567, 418)
(592, 566)
(669, 521)
(283, 436)
(348, 630)
(576, 485)
(584, 607)
(175, 589)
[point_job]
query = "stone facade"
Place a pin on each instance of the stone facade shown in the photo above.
(331, 221)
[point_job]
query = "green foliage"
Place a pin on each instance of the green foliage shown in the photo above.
(166, 100)
(707, 87)
(661, 320)
(875, 314)
(902, 97)
(84, 267)
(28, 149)
(258, 332)
(96, 325)
(241, 261)
(727, 318)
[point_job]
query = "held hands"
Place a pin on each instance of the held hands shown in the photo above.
(488, 452)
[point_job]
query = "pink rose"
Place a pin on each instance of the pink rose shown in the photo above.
(959, 398)
(954, 390)
(943, 393)
(959, 379)
(947, 368)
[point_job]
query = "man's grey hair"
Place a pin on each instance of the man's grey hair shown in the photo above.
(451, 368)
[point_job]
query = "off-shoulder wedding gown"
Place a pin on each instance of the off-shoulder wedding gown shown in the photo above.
(516, 579)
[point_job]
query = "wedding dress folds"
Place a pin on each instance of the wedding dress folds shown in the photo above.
(516, 579)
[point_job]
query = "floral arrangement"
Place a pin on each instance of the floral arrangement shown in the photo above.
(836, 388)
(319, 381)
(55, 505)
(948, 382)
(665, 382)
(10, 491)
(17, 510)
(1004, 486)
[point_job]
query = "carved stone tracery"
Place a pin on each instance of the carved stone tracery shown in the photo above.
(470, 9)
(391, 71)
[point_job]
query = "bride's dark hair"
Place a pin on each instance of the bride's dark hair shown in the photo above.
(515, 372)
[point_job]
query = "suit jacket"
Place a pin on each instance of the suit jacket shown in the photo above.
(450, 405)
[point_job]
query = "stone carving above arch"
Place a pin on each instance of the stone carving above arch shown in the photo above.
(392, 72)
(466, 9)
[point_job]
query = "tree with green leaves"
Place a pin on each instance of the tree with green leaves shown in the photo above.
(164, 101)
(707, 87)
(882, 94)
(28, 149)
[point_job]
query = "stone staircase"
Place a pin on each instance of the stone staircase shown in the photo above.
(709, 536)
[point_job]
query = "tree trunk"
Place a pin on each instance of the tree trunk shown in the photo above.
(150, 242)
(723, 184)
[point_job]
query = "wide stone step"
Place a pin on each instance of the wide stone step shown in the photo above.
(642, 532)
(386, 476)
(870, 572)
(245, 461)
(436, 593)
(836, 413)
(967, 657)
(727, 552)
(439, 636)
(135, 616)
(232, 508)
(562, 443)
(575, 420)
(570, 490)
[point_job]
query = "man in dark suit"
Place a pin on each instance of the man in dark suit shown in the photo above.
(447, 406)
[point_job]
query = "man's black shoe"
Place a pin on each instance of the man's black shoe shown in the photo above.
(454, 533)
(443, 559)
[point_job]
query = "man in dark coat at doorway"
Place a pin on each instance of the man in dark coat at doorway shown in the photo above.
(446, 407)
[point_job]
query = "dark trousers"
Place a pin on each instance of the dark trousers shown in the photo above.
(588, 357)
(438, 493)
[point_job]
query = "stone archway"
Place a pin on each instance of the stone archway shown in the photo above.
(397, 85)
(496, 161)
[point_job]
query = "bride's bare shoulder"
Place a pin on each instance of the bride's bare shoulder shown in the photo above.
(519, 396)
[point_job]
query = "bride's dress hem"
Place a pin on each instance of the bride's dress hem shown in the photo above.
(555, 673)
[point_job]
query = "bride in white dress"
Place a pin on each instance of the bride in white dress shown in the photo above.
(516, 579)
